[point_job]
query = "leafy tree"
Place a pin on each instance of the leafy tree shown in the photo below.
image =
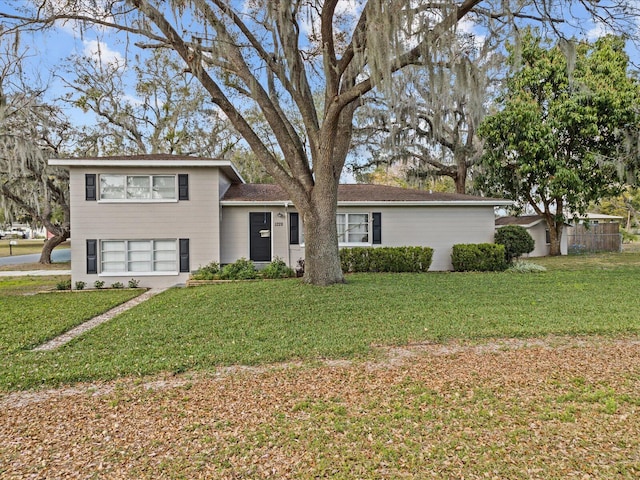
(273, 55)
(556, 141)
(31, 131)
(625, 205)
(249, 167)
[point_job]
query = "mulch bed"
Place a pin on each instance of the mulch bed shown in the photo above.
(553, 408)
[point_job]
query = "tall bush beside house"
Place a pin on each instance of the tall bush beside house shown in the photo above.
(516, 240)
(478, 257)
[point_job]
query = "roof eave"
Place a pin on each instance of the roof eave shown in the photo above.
(379, 203)
(225, 165)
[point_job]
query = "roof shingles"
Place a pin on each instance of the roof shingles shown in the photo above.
(254, 192)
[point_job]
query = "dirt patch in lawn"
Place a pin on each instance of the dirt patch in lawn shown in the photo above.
(552, 408)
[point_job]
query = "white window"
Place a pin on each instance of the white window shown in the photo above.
(138, 187)
(353, 228)
(124, 256)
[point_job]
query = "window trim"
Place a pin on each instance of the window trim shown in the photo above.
(369, 243)
(346, 233)
(150, 176)
(143, 273)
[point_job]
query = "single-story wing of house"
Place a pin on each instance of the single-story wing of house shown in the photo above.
(537, 228)
(156, 218)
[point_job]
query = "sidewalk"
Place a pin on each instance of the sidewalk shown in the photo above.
(34, 273)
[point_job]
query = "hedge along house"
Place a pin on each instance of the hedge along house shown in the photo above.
(156, 218)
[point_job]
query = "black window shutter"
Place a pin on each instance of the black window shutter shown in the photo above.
(90, 186)
(294, 231)
(184, 255)
(377, 228)
(183, 186)
(92, 256)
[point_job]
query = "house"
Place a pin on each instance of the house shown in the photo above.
(537, 228)
(155, 218)
(597, 218)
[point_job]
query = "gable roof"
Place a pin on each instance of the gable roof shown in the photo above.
(355, 194)
(151, 160)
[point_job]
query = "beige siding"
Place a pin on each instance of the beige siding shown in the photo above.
(234, 232)
(538, 233)
(438, 227)
(196, 219)
(541, 249)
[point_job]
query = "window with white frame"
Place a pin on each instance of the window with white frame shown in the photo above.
(124, 256)
(353, 228)
(138, 187)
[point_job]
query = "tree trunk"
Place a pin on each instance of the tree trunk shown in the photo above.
(49, 245)
(460, 178)
(322, 261)
(555, 236)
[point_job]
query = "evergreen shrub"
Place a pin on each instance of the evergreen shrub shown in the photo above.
(277, 269)
(386, 259)
(478, 257)
(241, 269)
(208, 272)
(516, 240)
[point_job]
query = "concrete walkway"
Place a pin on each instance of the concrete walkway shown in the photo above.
(36, 273)
(94, 322)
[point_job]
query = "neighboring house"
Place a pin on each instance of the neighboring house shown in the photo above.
(598, 218)
(155, 218)
(537, 228)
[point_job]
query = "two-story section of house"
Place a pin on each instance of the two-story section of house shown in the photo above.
(156, 218)
(152, 218)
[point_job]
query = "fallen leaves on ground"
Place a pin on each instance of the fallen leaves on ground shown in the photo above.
(538, 409)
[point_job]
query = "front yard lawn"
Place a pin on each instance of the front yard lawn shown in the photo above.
(29, 318)
(263, 322)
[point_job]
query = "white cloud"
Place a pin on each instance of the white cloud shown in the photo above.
(101, 52)
(598, 30)
(347, 10)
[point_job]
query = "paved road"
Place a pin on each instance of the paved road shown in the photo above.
(62, 255)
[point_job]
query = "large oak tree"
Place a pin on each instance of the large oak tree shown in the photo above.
(274, 55)
(31, 131)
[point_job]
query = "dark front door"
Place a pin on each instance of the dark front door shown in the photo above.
(260, 236)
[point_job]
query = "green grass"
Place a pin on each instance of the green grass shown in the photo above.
(262, 322)
(26, 322)
(29, 284)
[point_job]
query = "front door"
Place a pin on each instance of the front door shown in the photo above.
(260, 236)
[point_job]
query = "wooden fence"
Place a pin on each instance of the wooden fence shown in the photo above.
(602, 237)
